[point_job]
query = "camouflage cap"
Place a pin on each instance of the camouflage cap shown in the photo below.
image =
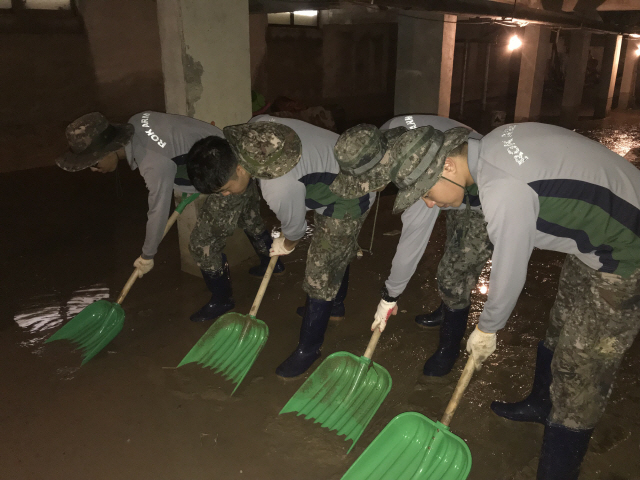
(265, 149)
(360, 152)
(91, 137)
(419, 156)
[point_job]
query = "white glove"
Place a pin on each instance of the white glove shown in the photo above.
(143, 265)
(384, 311)
(480, 345)
(278, 248)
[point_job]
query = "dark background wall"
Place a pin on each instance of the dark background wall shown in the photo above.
(106, 56)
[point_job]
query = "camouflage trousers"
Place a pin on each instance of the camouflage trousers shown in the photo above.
(466, 252)
(594, 321)
(218, 219)
(333, 246)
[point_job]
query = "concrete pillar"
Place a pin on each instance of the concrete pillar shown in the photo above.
(425, 63)
(575, 77)
(533, 66)
(206, 68)
(608, 75)
(628, 83)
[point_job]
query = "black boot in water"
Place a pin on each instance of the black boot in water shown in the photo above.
(432, 319)
(219, 284)
(536, 407)
(314, 324)
(337, 306)
(261, 244)
(451, 332)
(562, 452)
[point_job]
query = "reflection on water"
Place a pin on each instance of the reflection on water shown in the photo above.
(482, 287)
(46, 312)
(620, 139)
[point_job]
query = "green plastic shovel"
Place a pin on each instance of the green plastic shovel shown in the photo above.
(97, 324)
(413, 447)
(344, 392)
(233, 342)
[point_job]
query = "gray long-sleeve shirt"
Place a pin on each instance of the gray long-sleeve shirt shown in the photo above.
(547, 187)
(157, 149)
(417, 220)
(306, 186)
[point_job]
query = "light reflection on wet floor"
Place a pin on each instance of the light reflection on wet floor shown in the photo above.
(620, 139)
(44, 313)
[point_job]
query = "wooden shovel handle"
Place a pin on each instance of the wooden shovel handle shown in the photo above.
(368, 353)
(263, 286)
(465, 378)
(134, 276)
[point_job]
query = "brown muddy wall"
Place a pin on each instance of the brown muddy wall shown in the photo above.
(45, 77)
(349, 68)
(125, 45)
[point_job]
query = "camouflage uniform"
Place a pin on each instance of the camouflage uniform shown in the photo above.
(217, 220)
(273, 152)
(466, 252)
(594, 321)
(332, 248)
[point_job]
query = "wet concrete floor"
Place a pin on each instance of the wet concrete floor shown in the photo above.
(68, 239)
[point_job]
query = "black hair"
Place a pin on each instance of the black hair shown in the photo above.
(459, 151)
(211, 163)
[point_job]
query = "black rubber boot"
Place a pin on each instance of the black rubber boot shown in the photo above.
(314, 324)
(219, 284)
(337, 306)
(433, 319)
(261, 244)
(562, 452)
(451, 332)
(536, 407)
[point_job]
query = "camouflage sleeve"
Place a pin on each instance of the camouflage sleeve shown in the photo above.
(511, 211)
(286, 198)
(417, 224)
(158, 174)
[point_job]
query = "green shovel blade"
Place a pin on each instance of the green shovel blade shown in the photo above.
(93, 328)
(412, 447)
(342, 394)
(230, 346)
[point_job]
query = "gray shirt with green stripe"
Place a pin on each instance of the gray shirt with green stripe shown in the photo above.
(158, 149)
(306, 186)
(547, 187)
(418, 220)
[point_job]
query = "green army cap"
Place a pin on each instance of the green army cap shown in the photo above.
(265, 149)
(360, 152)
(419, 156)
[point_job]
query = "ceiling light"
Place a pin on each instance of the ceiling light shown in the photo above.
(514, 43)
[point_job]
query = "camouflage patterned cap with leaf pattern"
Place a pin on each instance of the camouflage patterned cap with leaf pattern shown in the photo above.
(419, 156)
(91, 138)
(360, 152)
(265, 149)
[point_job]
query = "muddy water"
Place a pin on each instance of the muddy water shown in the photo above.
(130, 414)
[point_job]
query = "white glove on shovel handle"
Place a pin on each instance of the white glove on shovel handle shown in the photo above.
(278, 248)
(384, 311)
(143, 265)
(480, 346)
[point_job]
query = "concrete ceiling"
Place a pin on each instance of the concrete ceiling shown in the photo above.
(622, 16)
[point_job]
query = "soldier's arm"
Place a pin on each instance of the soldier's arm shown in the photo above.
(417, 224)
(511, 211)
(286, 198)
(159, 175)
